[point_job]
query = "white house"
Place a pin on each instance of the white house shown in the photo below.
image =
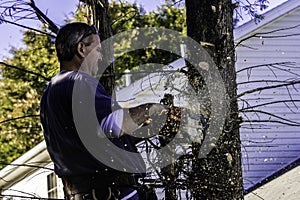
(270, 150)
(31, 176)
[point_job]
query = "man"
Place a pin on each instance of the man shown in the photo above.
(66, 115)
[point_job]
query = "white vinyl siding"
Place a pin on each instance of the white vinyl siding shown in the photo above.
(35, 185)
(268, 147)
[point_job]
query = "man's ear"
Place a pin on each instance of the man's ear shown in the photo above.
(81, 49)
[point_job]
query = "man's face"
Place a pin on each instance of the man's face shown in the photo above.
(92, 56)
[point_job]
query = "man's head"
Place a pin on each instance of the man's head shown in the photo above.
(78, 46)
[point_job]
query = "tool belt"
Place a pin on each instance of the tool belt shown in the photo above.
(86, 183)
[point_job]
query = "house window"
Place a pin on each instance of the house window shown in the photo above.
(52, 186)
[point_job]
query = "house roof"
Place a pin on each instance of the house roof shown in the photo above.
(285, 185)
(29, 162)
(277, 12)
(148, 89)
(267, 171)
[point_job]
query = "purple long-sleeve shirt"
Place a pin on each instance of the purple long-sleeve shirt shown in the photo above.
(64, 144)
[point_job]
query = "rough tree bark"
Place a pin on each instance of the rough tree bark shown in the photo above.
(98, 11)
(219, 175)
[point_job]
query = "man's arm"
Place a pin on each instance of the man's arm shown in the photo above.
(126, 121)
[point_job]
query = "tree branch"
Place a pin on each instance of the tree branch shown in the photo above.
(17, 118)
(272, 115)
(283, 64)
(267, 87)
(269, 103)
(262, 81)
(20, 10)
(270, 121)
(43, 18)
(26, 27)
(25, 70)
(26, 197)
(269, 32)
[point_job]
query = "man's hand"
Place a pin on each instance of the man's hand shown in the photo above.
(158, 109)
(142, 115)
(145, 113)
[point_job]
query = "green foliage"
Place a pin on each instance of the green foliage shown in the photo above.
(21, 91)
(127, 16)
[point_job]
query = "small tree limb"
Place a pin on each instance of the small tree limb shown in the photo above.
(25, 70)
(17, 118)
(267, 87)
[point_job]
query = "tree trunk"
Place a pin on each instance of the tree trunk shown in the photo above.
(219, 175)
(98, 11)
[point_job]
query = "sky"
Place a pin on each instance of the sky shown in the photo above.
(11, 35)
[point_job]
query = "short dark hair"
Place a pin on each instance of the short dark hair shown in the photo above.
(69, 36)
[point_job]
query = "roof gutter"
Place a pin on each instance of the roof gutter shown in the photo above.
(31, 161)
(248, 28)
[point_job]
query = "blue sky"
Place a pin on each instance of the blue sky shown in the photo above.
(57, 11)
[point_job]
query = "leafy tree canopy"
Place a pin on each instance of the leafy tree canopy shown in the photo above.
(20, 94)
(25, 75)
